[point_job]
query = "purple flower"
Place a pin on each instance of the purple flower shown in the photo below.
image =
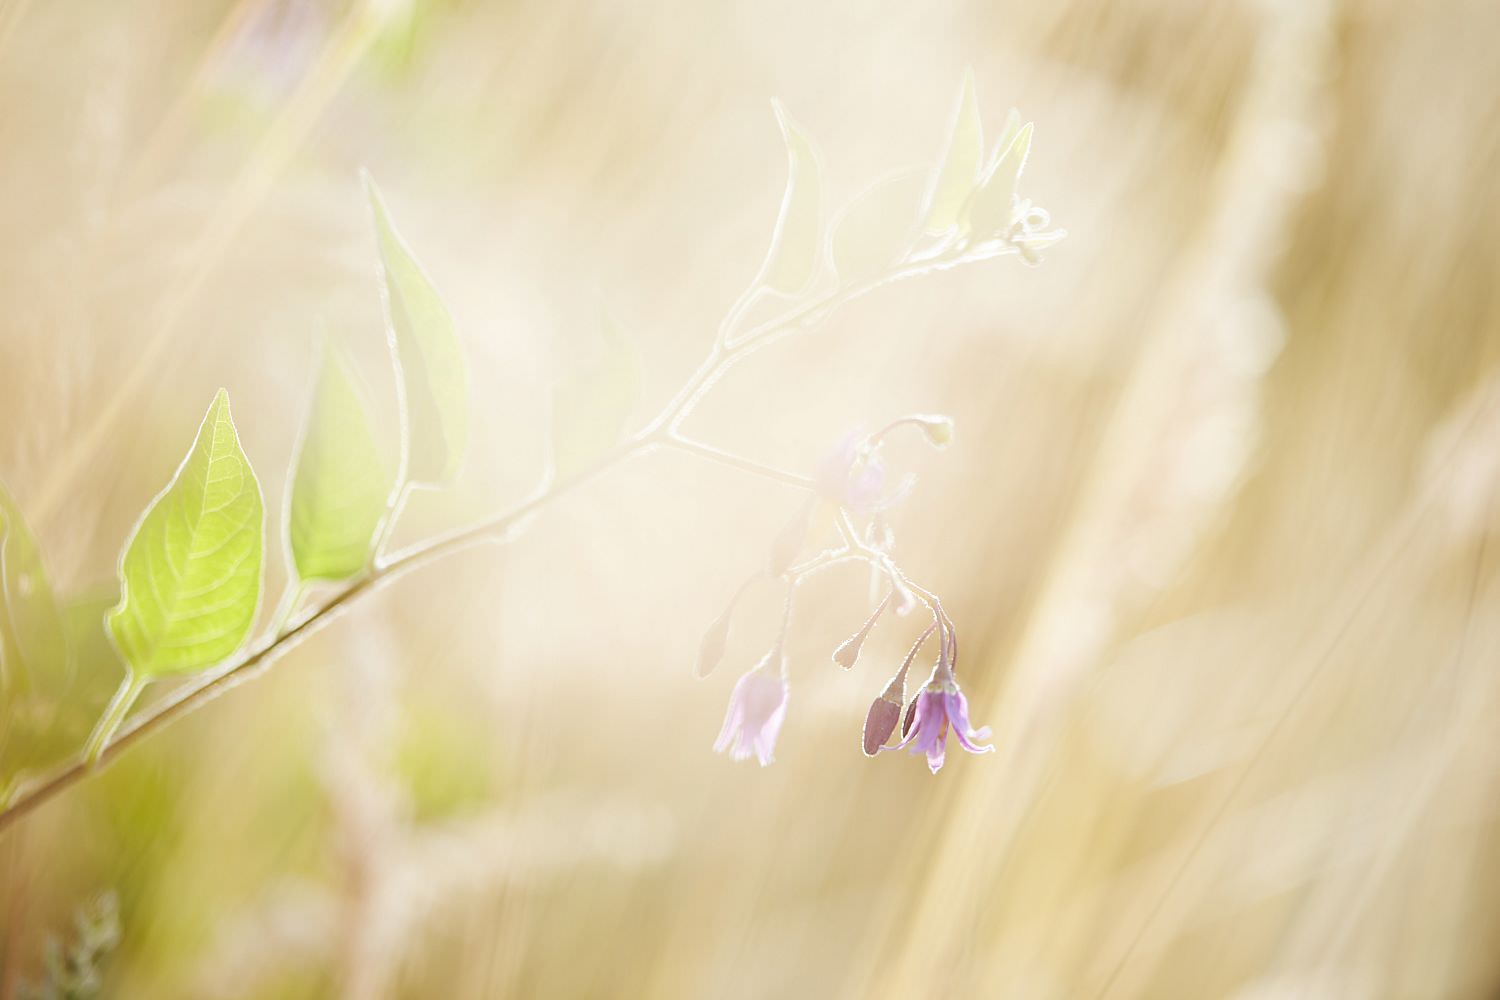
(939, 705)
(852, 477)
(756, 710)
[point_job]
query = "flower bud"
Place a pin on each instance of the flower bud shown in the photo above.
(911, 715)
(715, 640)
(848, 651)
(880, 723)
(937, 427)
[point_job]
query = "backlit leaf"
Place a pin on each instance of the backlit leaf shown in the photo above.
(991, 207)
(958, 171)
(35, 669)
(433, 382)
(33, 647)
(341, 484)
(190, 575)
(792, 262)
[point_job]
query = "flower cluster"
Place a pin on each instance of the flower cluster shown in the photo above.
(851, 483)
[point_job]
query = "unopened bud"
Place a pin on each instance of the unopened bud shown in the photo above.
(848, 651)
(911, 715)
(938, 428)
(880, 723)
(715, 640)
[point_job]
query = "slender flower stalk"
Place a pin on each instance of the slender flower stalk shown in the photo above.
(848, 652)
(885, 711)
(755, 714)
(939, 706)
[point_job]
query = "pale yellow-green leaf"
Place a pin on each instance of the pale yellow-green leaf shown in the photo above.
(1008, 133)
(342, 481)
(958, 171)
(593, 401)
(35, 665)
(190, 575)
(433, 382)
(991, 206)
(876, 230)
(32, 645)
(792, 262)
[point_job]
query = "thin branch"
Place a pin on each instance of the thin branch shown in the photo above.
(658, 432)
(749, 465)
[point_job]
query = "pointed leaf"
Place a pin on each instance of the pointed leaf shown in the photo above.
(792, 261)
(1008, 134)
(991, 207)
(33, 647)
(190, 573)
(591, 404)
(958, 171)
(876, 230)
(47, 726)
(35, 668)
(341, 484)
(433, 384)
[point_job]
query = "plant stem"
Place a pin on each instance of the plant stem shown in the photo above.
(708, 451)
(295, 591)
(119, 706)
(388, 523)
(103, 746)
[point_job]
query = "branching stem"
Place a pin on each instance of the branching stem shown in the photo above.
(104, 745)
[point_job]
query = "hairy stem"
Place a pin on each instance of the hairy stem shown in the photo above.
(119, 706)
(388, 523)
(295, 592)
(723, 457)
(104, 746)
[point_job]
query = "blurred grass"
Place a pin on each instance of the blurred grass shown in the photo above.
(1215, 526)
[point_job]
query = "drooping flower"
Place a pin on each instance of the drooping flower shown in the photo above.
(757, 708)
(939, 705)
(885, 711)
(852, 476)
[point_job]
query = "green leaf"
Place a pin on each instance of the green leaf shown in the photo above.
(876, 230)
(433, 384)
(342, 481)
(591, 404)
(190, 573)
(990, 208)
(792, 262)
(35, 668)
(33, 645)
(1007, 134)
(958, 172)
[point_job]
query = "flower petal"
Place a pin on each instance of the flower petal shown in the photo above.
(733, 717)
(958, 711)
(967, 742)
(917, 713)
(935, 755)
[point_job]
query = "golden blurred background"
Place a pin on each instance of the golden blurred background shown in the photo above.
(1214, 526)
